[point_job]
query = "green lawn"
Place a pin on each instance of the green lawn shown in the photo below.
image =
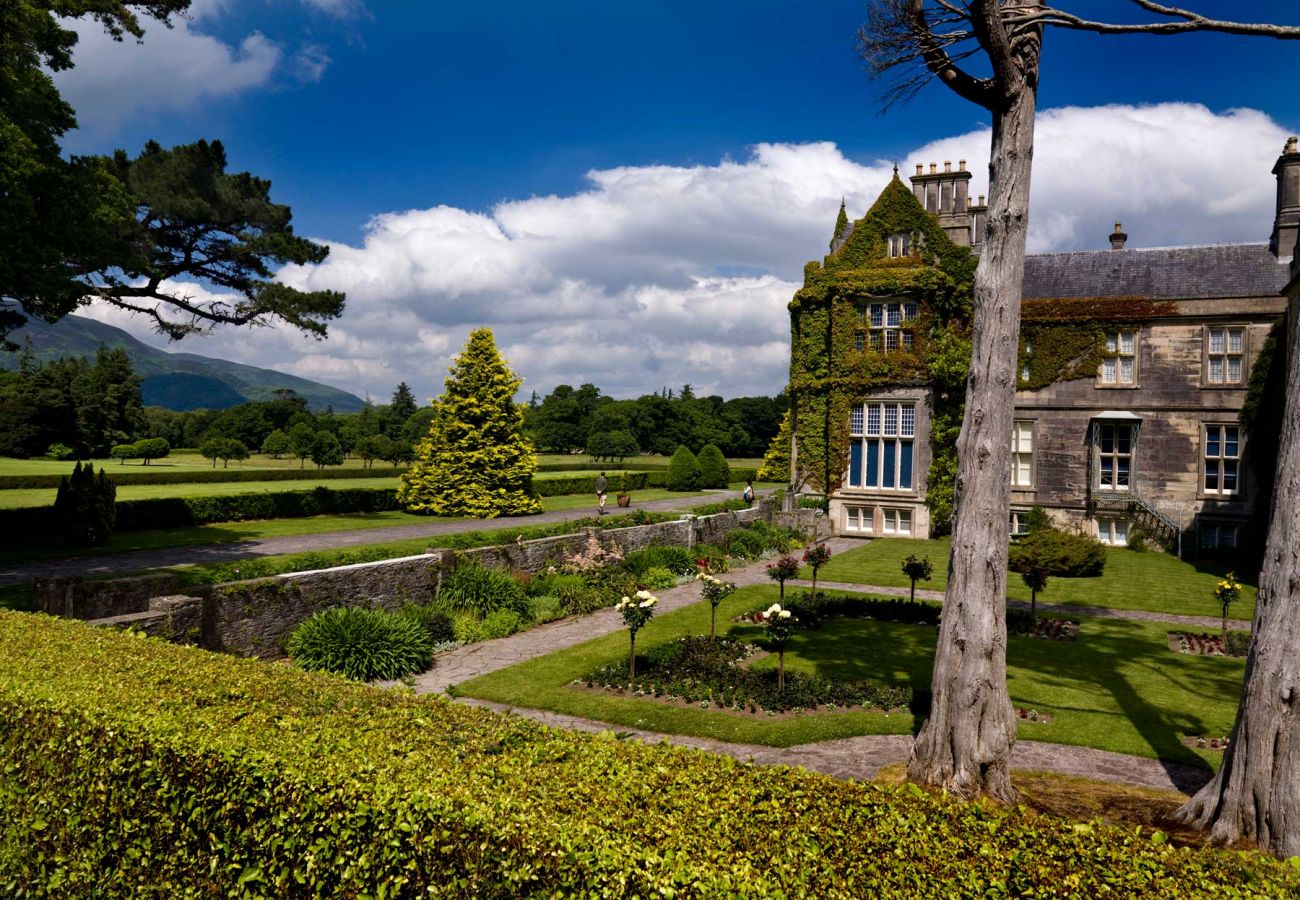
(172, 462)
(45, 496)
(1155, 582)
(1117, 688)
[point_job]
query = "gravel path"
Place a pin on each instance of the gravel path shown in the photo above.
(856, 757)
(140, 560)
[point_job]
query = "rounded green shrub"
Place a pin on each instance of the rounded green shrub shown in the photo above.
(657, 578)
(434, 619)
(678, 560)
(1061, 553)
(545, 608)
(714, 470)
(470, 587)
(361, 644)
(502, 623)
(683, 471)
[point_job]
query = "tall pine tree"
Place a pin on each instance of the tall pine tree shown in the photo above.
(401, 408)
(475, 460)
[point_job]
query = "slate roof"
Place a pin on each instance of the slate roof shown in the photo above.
(1158, 273)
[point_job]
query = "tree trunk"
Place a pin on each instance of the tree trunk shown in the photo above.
(1033, 604)
(780, 669)
(631, 661)
(965, 744)
(1256, 794)
(913, 595)
(713, 622)
(782, 583)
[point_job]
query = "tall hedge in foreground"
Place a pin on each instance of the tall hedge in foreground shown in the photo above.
(475, 460)
(714, 470)
(683, 470)
(134, 768)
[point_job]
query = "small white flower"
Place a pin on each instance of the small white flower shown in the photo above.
(646, 604)
(784, 614)
(643, 595)
(773, 610)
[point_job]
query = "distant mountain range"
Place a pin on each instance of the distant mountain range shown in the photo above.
(177, 381)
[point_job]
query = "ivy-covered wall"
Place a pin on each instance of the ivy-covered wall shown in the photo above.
(1065, 339)
(828, 375)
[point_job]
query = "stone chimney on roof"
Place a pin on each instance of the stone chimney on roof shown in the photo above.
(1118, 237)
(1286, 223)
(946, 195)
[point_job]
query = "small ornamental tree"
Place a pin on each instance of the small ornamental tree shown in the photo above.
(152, 448)
(776, 462)
(780, 626)
(783, 570)
(683, 470)
(86, 507)
(1035, 578)
(276, 444)
(636, 612)
(234, 449)
(122, 452)
(917, 570)
(213, 449)
(1227, 592)
(714, 470)
(715, 591)
(815, 557)
(475, 460)
(302, 440)
(326, 451)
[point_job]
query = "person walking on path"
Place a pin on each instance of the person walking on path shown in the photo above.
(749, 492)
(602, 483)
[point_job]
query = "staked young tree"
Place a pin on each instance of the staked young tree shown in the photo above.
(122, 230)
(965, 744)
(475, 459)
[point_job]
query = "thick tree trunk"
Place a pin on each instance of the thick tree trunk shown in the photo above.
(965, 744)
(1256, 794)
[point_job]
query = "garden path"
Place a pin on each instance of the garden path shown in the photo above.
(142, 560)
(857, 757)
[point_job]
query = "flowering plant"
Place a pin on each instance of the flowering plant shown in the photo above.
(783, 570)
(636, 611)
(780, 626)
(1227, 592)
(715, 591)
(815, 557)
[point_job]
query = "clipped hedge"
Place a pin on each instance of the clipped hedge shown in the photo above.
(121, 476)
(135, 768)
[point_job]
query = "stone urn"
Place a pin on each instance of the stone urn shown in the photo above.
(624, 500)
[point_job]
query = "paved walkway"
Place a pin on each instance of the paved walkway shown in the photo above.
(856, 757)
(140, 560)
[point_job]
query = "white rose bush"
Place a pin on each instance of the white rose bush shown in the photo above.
(780, 625)
(637, 611)
(715, 591)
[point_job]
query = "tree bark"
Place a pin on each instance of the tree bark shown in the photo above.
(631, 662)
(965, 744)
(1256, 794)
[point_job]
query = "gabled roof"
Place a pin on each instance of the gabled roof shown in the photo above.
(1160, 273)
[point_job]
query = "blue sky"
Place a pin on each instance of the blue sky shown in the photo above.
(355, 110)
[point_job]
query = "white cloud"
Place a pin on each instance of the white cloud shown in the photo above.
(661, 275)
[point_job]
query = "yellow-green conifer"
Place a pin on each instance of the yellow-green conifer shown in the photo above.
(475, 460)
(776, 462)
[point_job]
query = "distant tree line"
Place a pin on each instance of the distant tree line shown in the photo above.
(569, 420)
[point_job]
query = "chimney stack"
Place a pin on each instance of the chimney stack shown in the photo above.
(1118, 237)
(1286, 223)
(945, 195)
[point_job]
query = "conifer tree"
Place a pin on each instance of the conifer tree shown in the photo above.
(86, 507)
(776, 462)
(475, 460)
(683, 470)
(714, 470)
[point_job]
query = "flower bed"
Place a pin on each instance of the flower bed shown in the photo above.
(1032, 715)
(1201, 742)
(1048, 629)
(1205, 644)
(697, 670)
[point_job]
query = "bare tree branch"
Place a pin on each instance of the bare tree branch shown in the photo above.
(1190, 21)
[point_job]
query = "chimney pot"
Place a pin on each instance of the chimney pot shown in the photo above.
(1291, 145)
(947, 165)
(1118, 237)
(961, 165)
(982, 203)
(919, 168)
(934, 167)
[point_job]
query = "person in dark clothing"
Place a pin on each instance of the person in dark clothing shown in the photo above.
(602, 483)
(749, 492)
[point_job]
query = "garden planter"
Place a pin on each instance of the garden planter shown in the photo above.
(624, 500)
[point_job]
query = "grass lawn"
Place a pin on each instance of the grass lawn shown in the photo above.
(1155, 582)
(171, 462)
(1117, 688)
(45, 496)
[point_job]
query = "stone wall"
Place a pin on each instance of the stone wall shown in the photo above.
(76, 598)
(255, 618)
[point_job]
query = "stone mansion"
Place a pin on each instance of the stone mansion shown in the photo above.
(1134, 368)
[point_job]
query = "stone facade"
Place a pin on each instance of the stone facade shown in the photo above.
(1153, 440)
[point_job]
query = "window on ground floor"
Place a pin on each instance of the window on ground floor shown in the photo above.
(1019, 522)
(897, 521)
(1113, 532)
(1114, 457)
(858, 519)
(1218, 535)
(883, 440)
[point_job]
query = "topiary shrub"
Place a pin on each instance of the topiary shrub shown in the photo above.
(1061, 553)
(361, 644)
(85, 507)
(434, 619)
(470, 587)
(714, 471)
(683, 471)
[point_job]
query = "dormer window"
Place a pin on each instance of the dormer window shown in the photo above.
(900, 245)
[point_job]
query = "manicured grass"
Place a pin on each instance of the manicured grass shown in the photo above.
(45, 496)
(1155, 582)
(1117, 688)
(170, 463)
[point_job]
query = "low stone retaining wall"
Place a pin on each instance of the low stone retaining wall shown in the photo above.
(76, 598)
(255, 618)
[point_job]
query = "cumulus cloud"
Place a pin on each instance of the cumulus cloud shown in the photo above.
(662, 275)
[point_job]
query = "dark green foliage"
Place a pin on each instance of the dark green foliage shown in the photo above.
(326, 451)
(683, 471)
(1060, 553)
(400, 409)
(714, 471)
(434, 619)
(1237, 643)
(812, 613)
(1037, 520)
(481, 589)
(575, 594)
(545, 608)
(84, 508)
(156, 448)
(658, 578)
(361, 644)
(305, 786)
(614, 446)
(276, 444)
(1261, 421)
(678, 560)
(757, 538)
(916, 570)
(698, 669)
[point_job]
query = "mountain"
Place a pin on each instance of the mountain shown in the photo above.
(173, 380)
